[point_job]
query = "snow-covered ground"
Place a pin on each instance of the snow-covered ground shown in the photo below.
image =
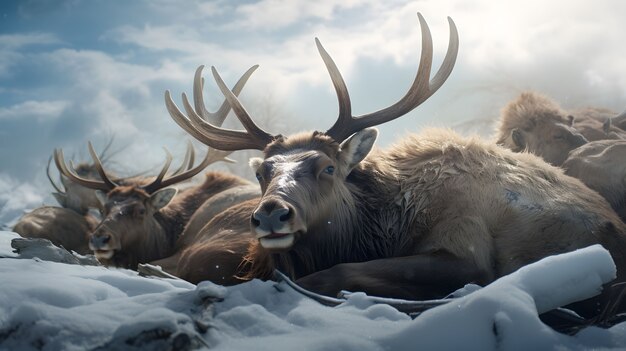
(54, 306)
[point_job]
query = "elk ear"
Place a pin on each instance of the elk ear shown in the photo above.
(102, 197)
(570, 120)
(518, 138)
(161, 198)
(61, 198)
(255, 162)
(357, 147)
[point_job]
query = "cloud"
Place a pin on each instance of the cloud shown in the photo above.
(40, 110)
(20, 40)
(15, 197)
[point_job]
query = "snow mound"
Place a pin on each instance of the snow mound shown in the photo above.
(55, 306)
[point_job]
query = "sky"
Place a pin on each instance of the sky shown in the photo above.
(73, 71)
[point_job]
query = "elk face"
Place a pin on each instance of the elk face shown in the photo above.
(302, 181)
(129, 217)
(552, 141)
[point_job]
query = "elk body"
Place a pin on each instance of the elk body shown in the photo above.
(601, 165)
(417, 220)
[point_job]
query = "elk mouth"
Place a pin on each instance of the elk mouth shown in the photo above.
(278, 241)
(103, 254)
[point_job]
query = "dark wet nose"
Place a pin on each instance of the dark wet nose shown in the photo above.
(271, 217)
(98, 241)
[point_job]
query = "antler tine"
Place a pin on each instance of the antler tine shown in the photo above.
(59, 160)
(211, 135)
(188, 160)
(212, 156)
(217, 118)
(99, 167)
(420, 90)
(54, 185)
(253, 130)
(158, 181)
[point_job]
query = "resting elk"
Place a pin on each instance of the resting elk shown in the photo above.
(537, 124)
(68, 226)
(427, 215)
(601, 165)
(144, 217)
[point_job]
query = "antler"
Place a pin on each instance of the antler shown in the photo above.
(211, 134)
(54, 185)
(212, 156)
(346, 124)
(105, 184)
(420, 90)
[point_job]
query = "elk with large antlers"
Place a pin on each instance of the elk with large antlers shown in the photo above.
(144, 217)
(427, 215)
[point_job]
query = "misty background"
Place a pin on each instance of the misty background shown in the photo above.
(73, 71)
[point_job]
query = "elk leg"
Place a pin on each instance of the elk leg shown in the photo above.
(418, 277)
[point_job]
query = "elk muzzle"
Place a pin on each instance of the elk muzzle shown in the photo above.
(102, 244)
(276, 224)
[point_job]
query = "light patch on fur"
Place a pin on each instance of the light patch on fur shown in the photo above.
(255, 162)
(104, 254)
(286, 179)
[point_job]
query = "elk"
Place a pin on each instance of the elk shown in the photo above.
(62, 226)
(537, 124)
(144, 217)
(601, 166)
(597, 124)
(417, 220)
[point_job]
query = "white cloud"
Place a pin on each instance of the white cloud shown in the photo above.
(16, 41)
(40, 110)
(15, 197)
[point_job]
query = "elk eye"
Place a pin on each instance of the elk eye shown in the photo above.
(329, 170)
(258, 176)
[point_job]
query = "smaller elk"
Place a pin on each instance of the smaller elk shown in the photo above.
(62, 226)
(144, 217)
(537, 124)
(601, 165)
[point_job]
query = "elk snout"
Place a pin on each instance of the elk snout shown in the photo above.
(99, 242)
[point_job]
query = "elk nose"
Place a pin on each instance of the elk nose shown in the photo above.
(272, 222)
(100, 241)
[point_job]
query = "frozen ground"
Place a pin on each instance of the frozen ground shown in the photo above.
(54, 306)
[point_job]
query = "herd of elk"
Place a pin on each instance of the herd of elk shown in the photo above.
(427, 215)
(537, 124)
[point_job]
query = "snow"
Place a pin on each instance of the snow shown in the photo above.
(57, 306)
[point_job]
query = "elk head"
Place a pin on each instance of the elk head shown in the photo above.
(536, 124)
(303, 177)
